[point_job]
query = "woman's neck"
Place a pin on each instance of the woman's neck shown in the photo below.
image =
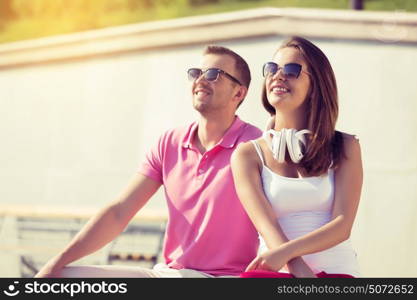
(296, 120)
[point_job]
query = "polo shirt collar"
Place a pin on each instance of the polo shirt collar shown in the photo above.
(189, 135)
(232, 134)
(229, 139)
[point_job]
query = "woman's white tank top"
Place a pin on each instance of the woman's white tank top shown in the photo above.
(302, 205)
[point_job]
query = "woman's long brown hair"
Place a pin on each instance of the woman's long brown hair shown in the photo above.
(325, 146)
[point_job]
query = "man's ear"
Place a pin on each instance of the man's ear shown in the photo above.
(241, 93)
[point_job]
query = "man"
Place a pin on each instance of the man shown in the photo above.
(208, 232)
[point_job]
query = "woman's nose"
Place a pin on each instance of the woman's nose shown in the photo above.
(279, 74)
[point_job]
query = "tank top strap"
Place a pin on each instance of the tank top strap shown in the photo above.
(259, 151)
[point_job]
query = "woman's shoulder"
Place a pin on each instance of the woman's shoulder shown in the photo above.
(351, 144)
(249, 146)
(247, 150)
(347, 137)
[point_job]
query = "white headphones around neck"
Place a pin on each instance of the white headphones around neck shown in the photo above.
(286, 138)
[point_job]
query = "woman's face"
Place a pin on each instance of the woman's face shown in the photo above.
(288, 94)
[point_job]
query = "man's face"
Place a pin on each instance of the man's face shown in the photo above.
(212, 96)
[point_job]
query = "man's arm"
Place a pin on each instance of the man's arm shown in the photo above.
(104, 226)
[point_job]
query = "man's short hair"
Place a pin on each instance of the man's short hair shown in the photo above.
(240, 64)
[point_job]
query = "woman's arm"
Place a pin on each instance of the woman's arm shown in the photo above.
(246, 173)
(348, 185)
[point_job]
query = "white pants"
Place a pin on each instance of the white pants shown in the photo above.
(158, 271)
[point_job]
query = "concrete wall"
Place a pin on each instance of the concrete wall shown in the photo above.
(79, 111)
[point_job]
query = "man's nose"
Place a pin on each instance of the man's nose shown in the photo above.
(200, 78)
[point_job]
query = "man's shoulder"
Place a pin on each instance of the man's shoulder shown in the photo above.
(177, 134)
(250, 132)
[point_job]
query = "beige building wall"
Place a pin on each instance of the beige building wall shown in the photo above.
(79, 111)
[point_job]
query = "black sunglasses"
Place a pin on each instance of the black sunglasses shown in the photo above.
(289, 71)
(211, 74)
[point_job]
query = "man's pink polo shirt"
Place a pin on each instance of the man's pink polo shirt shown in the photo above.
(208, 230)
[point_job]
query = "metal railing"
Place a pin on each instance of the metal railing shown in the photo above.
(26, 243)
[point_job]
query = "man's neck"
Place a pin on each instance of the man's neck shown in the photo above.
(211, 131)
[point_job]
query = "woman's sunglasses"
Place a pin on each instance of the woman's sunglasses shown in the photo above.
(289, 71)
(211, 74)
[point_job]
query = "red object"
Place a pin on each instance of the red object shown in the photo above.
(270, 274)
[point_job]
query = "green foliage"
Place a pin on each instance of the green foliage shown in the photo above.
(202, 2)
(25, 19)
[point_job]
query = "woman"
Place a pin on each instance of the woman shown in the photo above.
(301, 182)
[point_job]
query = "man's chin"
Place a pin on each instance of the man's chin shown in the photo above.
(201, 107)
